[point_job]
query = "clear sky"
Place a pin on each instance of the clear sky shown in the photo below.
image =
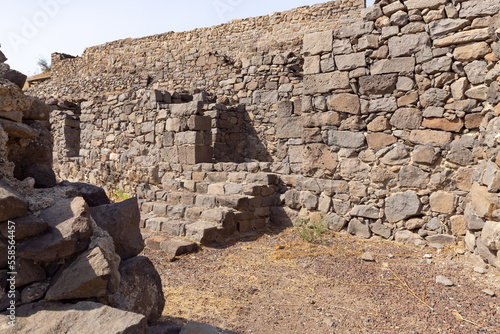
(33, 29)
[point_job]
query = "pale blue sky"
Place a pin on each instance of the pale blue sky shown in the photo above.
(31, 29)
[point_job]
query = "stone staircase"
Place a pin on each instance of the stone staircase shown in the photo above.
(206, 207)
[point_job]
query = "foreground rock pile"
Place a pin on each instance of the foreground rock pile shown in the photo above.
(68, 256)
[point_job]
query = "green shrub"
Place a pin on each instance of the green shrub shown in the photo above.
(311, 230)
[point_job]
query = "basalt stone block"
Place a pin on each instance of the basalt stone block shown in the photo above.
(12, 204)
(378, 84)
(15, 77)
(406, 118)
(318, 161)
(326, 82)
(317, 43)
(68, 232)
(121, 220)
(195, 154)
(400, 206)
(289, 127)
(93, 195)
(396, 65)
(471, 9)
(440, 28)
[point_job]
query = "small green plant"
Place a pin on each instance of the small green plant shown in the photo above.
(311, 230)
(122, 195)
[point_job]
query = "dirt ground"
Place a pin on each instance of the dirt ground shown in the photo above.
(275, 282)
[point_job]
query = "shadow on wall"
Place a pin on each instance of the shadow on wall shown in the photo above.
(235, 138)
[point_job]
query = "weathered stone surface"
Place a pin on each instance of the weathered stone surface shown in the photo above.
(321, 119)
(434, 97)
(440, 279)
(317, 43)
(28, 272)
(400, 206)
(400, 18)
(354, 30)
(458, 88)
(437, 65)
(440, 28)
(397, 65)
(458, 225)
(121, 221)
(82, 317)
(471, 9)
(311, 65)
(94, 273)
(350, 61)
(386, 104)
(406, 118)
(430, 137)
(341, 46)
(140, 289)
(460, 156)
(359, 229)
(380, 123)
(462, 37)
(406, 237)
(26, 227)
(348, 103)
(483, 201)
(490, 235)
(353, 169)
(69, 230)
(381, 230)
(441, 240)
(442, 202)
(407, 45)
(476, 71)
(194, 327)
(413, 177)
(371, 13)
(377, 84)
(318, 161)
(471, 51)
(335, 222)
(425, 154)
(346, 139)
(325, 82)
(12, 205)
(397, 156)
(202, 232)
(12, 97)
(379, 140)
(422, 4)
(19, 130)
(478, 92)
(444, 124)
(93, 195)
(366, 211)
(289, 127)
(381, 175)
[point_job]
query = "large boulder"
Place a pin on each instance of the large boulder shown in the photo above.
(83, 317)
(93, 195)
(121, 221)
(140, 289)
(93, 273)
(69, 231)
(12, 205)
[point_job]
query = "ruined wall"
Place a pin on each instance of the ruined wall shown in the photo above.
(198, 59)
(403, 108)
(386, 127)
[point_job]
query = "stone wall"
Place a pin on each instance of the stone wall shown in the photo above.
(404, 108)
(198, 59)
(64, 242)
(386, 127)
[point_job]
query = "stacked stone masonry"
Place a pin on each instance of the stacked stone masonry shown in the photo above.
(386, 127)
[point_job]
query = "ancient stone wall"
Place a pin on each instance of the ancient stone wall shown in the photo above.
(198, 59)
(386, 127)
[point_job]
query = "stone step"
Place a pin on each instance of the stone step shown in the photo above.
(173, 246)
(203, 232)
